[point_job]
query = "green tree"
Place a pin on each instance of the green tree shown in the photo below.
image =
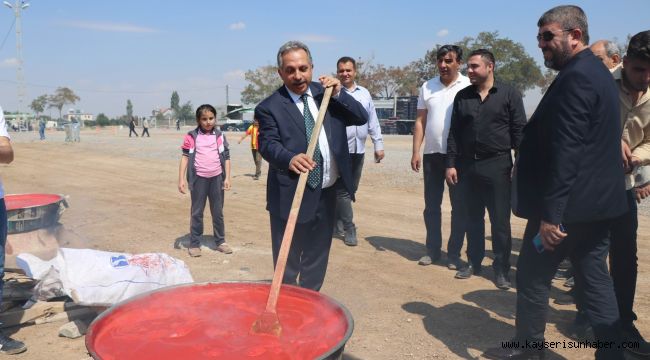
(102, 120)
(129, 108)
(364, 72)
(62, 96)
(262, 82)
(422, 70)
(546, 80)
(408, 80)
(187, 112)
(382, 81)
(513, 65)
(175, 104)
(39, 104)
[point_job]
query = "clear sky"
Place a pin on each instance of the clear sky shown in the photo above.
(111, 51)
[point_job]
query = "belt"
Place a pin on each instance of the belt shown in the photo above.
(489, 155)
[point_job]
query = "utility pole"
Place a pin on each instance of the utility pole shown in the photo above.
(227, 102)
(17, 7)
(395, 104)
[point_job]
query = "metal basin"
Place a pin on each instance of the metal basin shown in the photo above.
(27, 212)
(213, 321)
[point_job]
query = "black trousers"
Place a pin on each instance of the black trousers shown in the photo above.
(486, 184)
(434, 168)
(132, 131)
(310, 248)
(587, 246)
(212, 190)
(145, 131)
(623, 266)
(343, 199)
(623, 260)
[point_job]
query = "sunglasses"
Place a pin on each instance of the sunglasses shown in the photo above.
(548, 35)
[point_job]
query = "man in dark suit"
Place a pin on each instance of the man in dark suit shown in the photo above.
(568, 172)
(286, 121)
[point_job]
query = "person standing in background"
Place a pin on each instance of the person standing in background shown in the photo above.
(132, 127)
(486, 125)
(346, 70)
(432, 126)
(145, 127)
(41, 129)
(253, 131)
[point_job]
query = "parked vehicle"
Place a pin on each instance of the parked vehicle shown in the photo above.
(239, 125)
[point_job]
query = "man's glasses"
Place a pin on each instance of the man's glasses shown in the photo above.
(549, 35)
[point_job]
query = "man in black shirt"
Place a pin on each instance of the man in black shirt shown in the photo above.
(486, 123)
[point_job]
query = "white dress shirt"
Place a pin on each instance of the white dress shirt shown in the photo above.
(329, 168)
(357, 134)
(438, 100)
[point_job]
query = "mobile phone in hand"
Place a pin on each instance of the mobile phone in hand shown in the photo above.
(537, 241)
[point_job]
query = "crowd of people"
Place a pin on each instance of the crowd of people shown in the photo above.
(575, 169)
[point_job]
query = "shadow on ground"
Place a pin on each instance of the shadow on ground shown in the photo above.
(350, 357)
(504, 303)
(462, 327)
(408, 249)
(183, 242)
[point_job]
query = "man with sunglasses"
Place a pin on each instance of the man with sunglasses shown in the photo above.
(432, 125)
(568, 173)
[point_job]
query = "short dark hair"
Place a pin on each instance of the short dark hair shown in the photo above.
(569, 17)
(639, 47)
(205, 107)
(347, 59)
(445, 49)
(485, 54)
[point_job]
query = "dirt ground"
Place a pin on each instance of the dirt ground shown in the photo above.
(123, 197)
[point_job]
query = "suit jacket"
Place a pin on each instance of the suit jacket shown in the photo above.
(569, 167)
(282, 135)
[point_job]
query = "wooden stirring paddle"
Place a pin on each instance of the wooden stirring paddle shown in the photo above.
(268, 322)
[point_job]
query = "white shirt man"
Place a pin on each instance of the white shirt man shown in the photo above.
(432, 125)
(346, 70)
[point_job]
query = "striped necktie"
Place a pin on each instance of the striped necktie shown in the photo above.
(314, 177)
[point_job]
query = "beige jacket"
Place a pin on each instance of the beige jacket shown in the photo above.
(635, 119)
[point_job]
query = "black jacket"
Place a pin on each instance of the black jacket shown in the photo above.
(569, 167)
(282, 136)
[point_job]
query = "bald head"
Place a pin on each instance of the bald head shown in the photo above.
(608, 52)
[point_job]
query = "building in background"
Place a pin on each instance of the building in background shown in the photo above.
(79, 116)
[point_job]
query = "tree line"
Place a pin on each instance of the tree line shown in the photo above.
(513, 66)
(64, 95)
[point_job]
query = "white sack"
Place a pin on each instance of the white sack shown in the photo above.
(93, 277)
